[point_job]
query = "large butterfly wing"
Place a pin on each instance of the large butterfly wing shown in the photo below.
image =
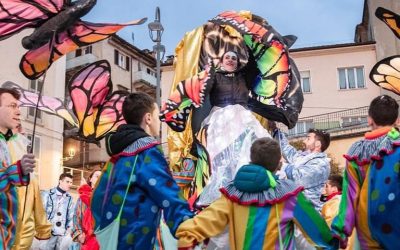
(88, 89)
(390, 18)
(35, 62)
(386, 74)
(109, 115)
(50, 105)
(16, 15)
(275, 92)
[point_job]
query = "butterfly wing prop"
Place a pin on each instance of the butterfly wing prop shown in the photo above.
(386, 74)
(50, 105)
(188, 94)
(35, 62)
(275, 92)
(110, 114)
(16, 15)
(98, 111)
(390, 18)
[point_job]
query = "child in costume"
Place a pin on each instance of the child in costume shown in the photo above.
(332, 196)
(371, 186)
(83, 226)
(136, 185)
(261, 211)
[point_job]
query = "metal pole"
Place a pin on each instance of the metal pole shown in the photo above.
(158, 93)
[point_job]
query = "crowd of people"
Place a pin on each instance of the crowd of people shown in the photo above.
(281, 199)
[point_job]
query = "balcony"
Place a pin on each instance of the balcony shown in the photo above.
(143, 76)
(342, 123)
(73, 61)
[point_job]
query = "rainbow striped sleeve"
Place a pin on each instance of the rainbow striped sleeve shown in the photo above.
(344, 222)
(12, 175)
(77, 219)
(310, 222)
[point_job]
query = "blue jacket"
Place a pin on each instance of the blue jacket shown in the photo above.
(310, 170)
(152, 192)
(62, 221)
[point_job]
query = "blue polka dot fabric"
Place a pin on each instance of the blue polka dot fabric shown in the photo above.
(152, 190)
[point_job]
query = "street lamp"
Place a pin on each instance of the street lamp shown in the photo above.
(155, 31)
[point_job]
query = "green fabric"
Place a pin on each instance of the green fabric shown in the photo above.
(393, 134)
(249, 228)
(254, 178)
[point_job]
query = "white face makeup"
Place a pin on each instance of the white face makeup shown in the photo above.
(230, 61)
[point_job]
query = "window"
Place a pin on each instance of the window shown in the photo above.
(150, 72)
(121, 60)
(305, 81)
(353, 121)
(351, 78)
(83, 51)
(35, 85)
(301, 127)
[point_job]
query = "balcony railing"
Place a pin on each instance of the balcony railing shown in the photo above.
(145, 77)
(348, 119)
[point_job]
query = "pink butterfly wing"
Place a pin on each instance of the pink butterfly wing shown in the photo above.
(50, 105)
(35, 62)
(16, 15)
(88, 90)
(110, 114)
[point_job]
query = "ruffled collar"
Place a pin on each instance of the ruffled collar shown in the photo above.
(284, 190)
(376, 144)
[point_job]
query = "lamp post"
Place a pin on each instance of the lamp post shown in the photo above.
(155, 31)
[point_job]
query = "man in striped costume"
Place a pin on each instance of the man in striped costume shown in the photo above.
(371, 185)
(11, 174)
(260, 210)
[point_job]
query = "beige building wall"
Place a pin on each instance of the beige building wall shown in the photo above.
(339, 147)
(387, 43)
(167, 78)
(323, 65)
(49, 129)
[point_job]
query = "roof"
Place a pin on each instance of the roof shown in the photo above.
(134, 50)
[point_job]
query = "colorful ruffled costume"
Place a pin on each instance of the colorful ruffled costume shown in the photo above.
(261, 212)
(10, 177)
(152, 190)
(371, 191)
(35, 223)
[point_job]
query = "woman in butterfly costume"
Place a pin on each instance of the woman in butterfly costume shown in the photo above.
(246, 67)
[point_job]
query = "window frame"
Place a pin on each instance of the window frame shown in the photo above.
(347, 83)
(309, 81)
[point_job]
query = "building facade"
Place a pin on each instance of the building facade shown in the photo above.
(48, 145)
(132, 70)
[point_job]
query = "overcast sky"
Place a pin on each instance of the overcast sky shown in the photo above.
(314, 22)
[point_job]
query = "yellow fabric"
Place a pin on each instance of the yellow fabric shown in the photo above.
(213, 221)
(187, 54)
(331, 209)
(35, 218)
(329, 212)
